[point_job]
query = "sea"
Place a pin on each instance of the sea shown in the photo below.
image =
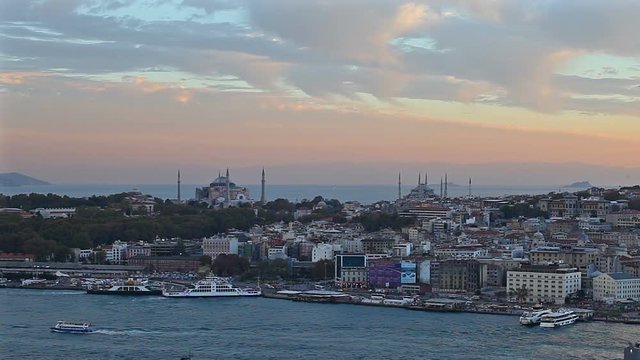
(366, 194)
(260, 328)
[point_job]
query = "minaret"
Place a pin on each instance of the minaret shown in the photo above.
(262, 197)
(441, 187)
(426, 180)
(399, 186)
(228, 189)
(469, 187)
(445, 185)
(179, 187)
(419, 180)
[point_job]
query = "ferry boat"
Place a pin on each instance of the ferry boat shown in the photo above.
(533, 317)
(212, 286)
(129, 288)
(559, 318)
(72, 327)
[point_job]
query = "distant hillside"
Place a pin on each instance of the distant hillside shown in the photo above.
(17, 179)
(580, 184)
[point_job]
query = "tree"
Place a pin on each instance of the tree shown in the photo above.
(521, 294)
(229, 265)
(99, 257)
(323, 270)
(205, 260)
(40, 248)
(612, 195)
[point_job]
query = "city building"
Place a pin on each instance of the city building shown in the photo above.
(55, 213)
(548, 284)
(377, 246)
(222, 192)
(617, 286)
(625, 218)
(116, 253)
(214, 246)
(351, 271)
(322, 251)
(167, 263)
(575, 256)
(461, 275)
(461, 252)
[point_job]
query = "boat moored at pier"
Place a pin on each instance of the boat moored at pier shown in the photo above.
(562, 317)
(129, 288)
(212, 286)
(533, 317)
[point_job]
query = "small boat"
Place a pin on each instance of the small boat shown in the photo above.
(129, 288)
(562, 317)
(212, 287)
(72, 327)
(533, 317)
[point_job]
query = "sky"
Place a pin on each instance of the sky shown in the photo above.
(321, 92)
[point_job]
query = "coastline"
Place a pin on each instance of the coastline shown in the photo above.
(349, 300)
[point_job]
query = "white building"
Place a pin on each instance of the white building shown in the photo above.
(352, 246)
(55, 213)
(544, 283)
(85, 253)
(215, 246)
(322, 252)
(117, 253)
(617, 286)
(277, 252)
(461, 252)
(138, 249)
(403, 250)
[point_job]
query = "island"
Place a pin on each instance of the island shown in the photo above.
(580, 185)
(17, 179)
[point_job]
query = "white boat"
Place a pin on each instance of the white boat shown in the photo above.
(212, 287)
(72, 327)
(533, 317)
(130, 287)
(559, 318)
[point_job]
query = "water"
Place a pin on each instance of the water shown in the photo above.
(258, 328)
(363, 193)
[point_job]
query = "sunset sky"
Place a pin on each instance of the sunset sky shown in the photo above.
(129, 91)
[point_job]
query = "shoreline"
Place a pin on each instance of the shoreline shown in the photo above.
(347, 300)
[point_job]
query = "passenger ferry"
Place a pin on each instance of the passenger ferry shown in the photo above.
(212, 286)
(533, 317)
(559, 318)
(72, 327)
(129, 288)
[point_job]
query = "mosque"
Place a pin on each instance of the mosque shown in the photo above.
(421, 192)
(223, 193)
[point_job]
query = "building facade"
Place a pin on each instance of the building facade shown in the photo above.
(616, 287)
(548, 284)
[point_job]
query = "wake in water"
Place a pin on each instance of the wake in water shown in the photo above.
(125, 332)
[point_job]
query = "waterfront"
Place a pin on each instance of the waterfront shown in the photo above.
(366, 194)
(249, 328)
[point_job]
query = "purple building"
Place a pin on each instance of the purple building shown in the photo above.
(384, 274)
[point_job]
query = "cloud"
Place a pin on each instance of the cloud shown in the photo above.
(353, 31)
(508, 53)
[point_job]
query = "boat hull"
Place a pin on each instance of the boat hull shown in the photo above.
(558, 323)
(125, 293)
(70, 331)
(204, 295)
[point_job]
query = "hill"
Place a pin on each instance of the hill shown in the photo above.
(580, 184)
(17, 179)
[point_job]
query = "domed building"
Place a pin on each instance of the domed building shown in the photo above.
(222, 192)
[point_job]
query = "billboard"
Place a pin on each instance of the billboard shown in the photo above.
(408, 272)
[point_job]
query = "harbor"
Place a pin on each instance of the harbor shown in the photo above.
(238, 327)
